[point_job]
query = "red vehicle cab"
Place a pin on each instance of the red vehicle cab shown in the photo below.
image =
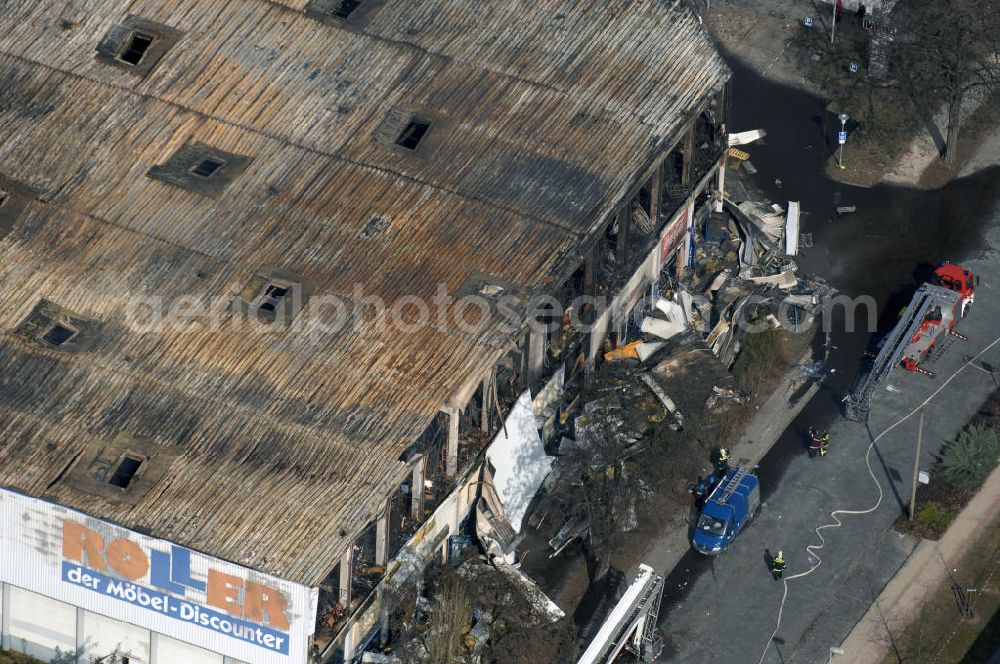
(957, 278)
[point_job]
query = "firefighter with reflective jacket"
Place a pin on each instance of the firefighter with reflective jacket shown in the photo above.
(778, 566)
(722, 463)
(818, 444)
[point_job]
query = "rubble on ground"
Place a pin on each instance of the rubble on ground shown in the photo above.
(681, 342)
(470, 611)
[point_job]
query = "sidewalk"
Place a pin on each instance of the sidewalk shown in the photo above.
(921, 575)
(774, 416)
(925, 148)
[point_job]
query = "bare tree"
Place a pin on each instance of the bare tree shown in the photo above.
(951, 48)
(610, 482)
(448, 622)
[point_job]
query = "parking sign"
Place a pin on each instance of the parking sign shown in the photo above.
(842, 137)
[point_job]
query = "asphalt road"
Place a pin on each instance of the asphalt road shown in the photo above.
(725, 609)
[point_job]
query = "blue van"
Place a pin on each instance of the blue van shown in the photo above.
(726, 511)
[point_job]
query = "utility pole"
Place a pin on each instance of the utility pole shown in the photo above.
(916, 465)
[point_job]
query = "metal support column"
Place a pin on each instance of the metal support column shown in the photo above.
(486, 400)
(655, 194)
(687, 149)
(81, 640)
(451, 458)
(382, 535)
(154, 647)
(5, 616)
(537, 339)
(721, 186)
(346, 577)
(417, 489)
(681, 259)
(383, 619)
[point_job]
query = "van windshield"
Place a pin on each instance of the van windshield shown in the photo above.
(711, 525)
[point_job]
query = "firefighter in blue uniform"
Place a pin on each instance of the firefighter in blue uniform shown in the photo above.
(817, 443)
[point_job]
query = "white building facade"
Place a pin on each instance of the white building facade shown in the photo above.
(79, 589)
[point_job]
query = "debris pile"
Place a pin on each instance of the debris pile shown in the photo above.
(769, 219)
(597, 482)
(671, 364)
(475, 612)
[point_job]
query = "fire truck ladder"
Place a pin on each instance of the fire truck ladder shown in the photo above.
(649, 644)
(733, 484)
(632, 623)
(857, 403)
(946, 343)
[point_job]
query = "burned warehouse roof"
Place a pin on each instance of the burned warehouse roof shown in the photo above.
(189, 152)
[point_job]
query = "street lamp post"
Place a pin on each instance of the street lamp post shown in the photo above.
(834, 651)
(842, 138)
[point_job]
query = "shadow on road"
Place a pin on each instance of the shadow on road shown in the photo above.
(890, 475)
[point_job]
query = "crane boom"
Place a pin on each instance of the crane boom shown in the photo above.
(631, 624)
